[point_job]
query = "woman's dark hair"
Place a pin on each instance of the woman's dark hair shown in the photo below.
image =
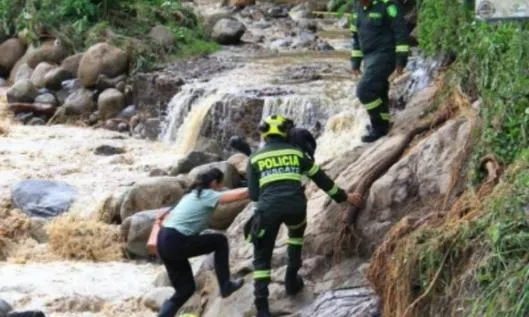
(203, 180)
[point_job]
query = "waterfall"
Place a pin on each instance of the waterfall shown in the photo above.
(187, 111)
(308, 111)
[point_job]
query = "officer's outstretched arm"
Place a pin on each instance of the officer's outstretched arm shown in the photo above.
(321, 179)
(398, 24)
(253, 181)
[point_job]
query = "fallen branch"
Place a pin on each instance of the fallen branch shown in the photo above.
(36, 108)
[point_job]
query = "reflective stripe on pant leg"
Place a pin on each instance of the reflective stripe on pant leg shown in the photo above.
(385, 116)
(295, 241)
(263, 248)
(373, 104)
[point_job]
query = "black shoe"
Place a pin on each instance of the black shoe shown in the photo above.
(231, 287)
(168, 309)
(263, 313)
(374, 134)
(294, 285)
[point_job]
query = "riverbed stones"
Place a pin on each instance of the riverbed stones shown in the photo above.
(79, 102)
(108, 150)
(101, 59)
(71, 64)
(54, 78)
(12, 50)
(37, 78)
(110, 103)
(47, 98)
(22, 91)
(23, 72)
(50, 52)
(228, 31)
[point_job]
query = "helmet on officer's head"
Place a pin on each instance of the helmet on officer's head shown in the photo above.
(275, 125)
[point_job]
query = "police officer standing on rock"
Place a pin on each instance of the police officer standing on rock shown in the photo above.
(274, 182)
(380, 38)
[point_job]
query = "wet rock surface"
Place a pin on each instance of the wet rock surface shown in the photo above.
(43, 198)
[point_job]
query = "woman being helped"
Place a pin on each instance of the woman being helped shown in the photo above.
(180, 239)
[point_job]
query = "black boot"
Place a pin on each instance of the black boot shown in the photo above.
(293, 282)
(263, 313)
(230, 287)
(262, 307)
(168, 309)
(378, 129)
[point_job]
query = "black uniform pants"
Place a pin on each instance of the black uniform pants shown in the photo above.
(373, 87)
(295, 220)
(175, 248)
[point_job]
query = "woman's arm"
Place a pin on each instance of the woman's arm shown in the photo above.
(234, 195)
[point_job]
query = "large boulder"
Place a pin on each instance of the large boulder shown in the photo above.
(236, 115)
(240, 162)
(47, 99)
(161, 35)
(54, 78)
(23, 60)
(12, 50)
(110, 103)
(22, 91)
(151, 193)
(422, 176)
(43, 198)
(79, 102)
(225, 214)
(228, 31)
(37, 78)
(192, 160)
(101, 59)
(23, 72)
(50, 52)
(135, 231)
(211, 19)
(71, 64)
(232, 178)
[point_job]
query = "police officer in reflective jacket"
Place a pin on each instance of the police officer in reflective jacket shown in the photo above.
(380, 39)
(274, 181)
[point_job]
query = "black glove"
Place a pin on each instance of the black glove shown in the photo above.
(356, 62)
(402, 60)
(254, 229)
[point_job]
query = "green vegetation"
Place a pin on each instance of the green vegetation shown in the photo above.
(492, 63)
(473, 260)
(486, 267)
(126, 23)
